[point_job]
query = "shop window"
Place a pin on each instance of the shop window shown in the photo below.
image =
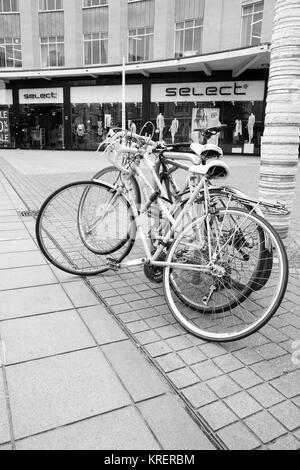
(140, 44)
(52, 50)
(95, 48)
(10, 52)
(9, 6)
(252, 18)
(94, 3)
(50, 5)
(188, 37)
(91, 122)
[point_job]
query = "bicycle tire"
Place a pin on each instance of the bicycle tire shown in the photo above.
(111, 175)
(248, 306)
(58, 235)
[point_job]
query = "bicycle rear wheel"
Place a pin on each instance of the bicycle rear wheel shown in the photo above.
(67, 229)
(226, 304)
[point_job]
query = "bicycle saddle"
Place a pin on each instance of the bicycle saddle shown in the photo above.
(215, 130)
(213, 150)
(214, 169)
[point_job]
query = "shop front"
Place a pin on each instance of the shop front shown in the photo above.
(181, 110)
(41, 119)
(76, 115)
(95, 110)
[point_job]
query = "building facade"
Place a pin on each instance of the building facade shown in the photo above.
(189, 64)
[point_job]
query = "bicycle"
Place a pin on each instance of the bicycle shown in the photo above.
(213, 276)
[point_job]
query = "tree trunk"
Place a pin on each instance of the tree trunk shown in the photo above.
(280, 143)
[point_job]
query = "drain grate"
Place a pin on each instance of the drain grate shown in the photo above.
(29, 213)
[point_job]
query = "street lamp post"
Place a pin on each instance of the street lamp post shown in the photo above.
(123, 95)
(124, 86)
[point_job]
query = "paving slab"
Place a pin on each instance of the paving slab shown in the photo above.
(172, 425)
(40, 336)
(60, 390)
(102, 325)
(21, 259)
(33, 301)
(13, 246)
(140, 378)
(119, 430)
(17, 278)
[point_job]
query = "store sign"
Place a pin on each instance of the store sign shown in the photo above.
(106, 94)
(41, 96)
(4, 126)
(208, 91)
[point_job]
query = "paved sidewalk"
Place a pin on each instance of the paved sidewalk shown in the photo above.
(101, 363)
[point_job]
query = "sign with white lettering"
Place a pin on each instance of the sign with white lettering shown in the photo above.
(4, 127)
(41, 96)
(208, 91)
(106, 94)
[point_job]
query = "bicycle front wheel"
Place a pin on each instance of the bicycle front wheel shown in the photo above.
(81, 223)
(240, 291)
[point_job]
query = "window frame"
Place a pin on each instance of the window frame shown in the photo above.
(11, 43)
(136, 36)
(48, 56)
(247, 5)
(10, 11)
(48, 10)
(184, 29)
(101, 40)
(85, 7)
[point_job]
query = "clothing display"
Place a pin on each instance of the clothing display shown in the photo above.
(100, 128)
(80, 130)
(238, 128)
(107, 121)
(250, 127)
(132, 127)
(174, 129)
(200, 122)
(160, 125)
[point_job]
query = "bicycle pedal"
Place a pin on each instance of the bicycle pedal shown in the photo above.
(112, 263)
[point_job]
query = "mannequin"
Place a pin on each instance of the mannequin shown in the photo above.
(250, 127)
(238, 131)
(200, 123)
(174, 129)
(100, 128)
(131, 126)
(160, 124)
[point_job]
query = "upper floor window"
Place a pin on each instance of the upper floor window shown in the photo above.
(94, 3)
(53, 51)
(10, 52)
(252, 18)
(188, 37)
(140, 44)
(50, 5)
(9, 6)
(95, 48)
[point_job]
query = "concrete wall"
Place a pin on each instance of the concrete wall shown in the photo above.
(164, 29)
(267, 28)
(231, 25)
(117, 31)
(221, 31)
(73, 34)
(30, 34)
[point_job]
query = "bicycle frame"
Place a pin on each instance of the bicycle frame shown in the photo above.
(146, 185)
